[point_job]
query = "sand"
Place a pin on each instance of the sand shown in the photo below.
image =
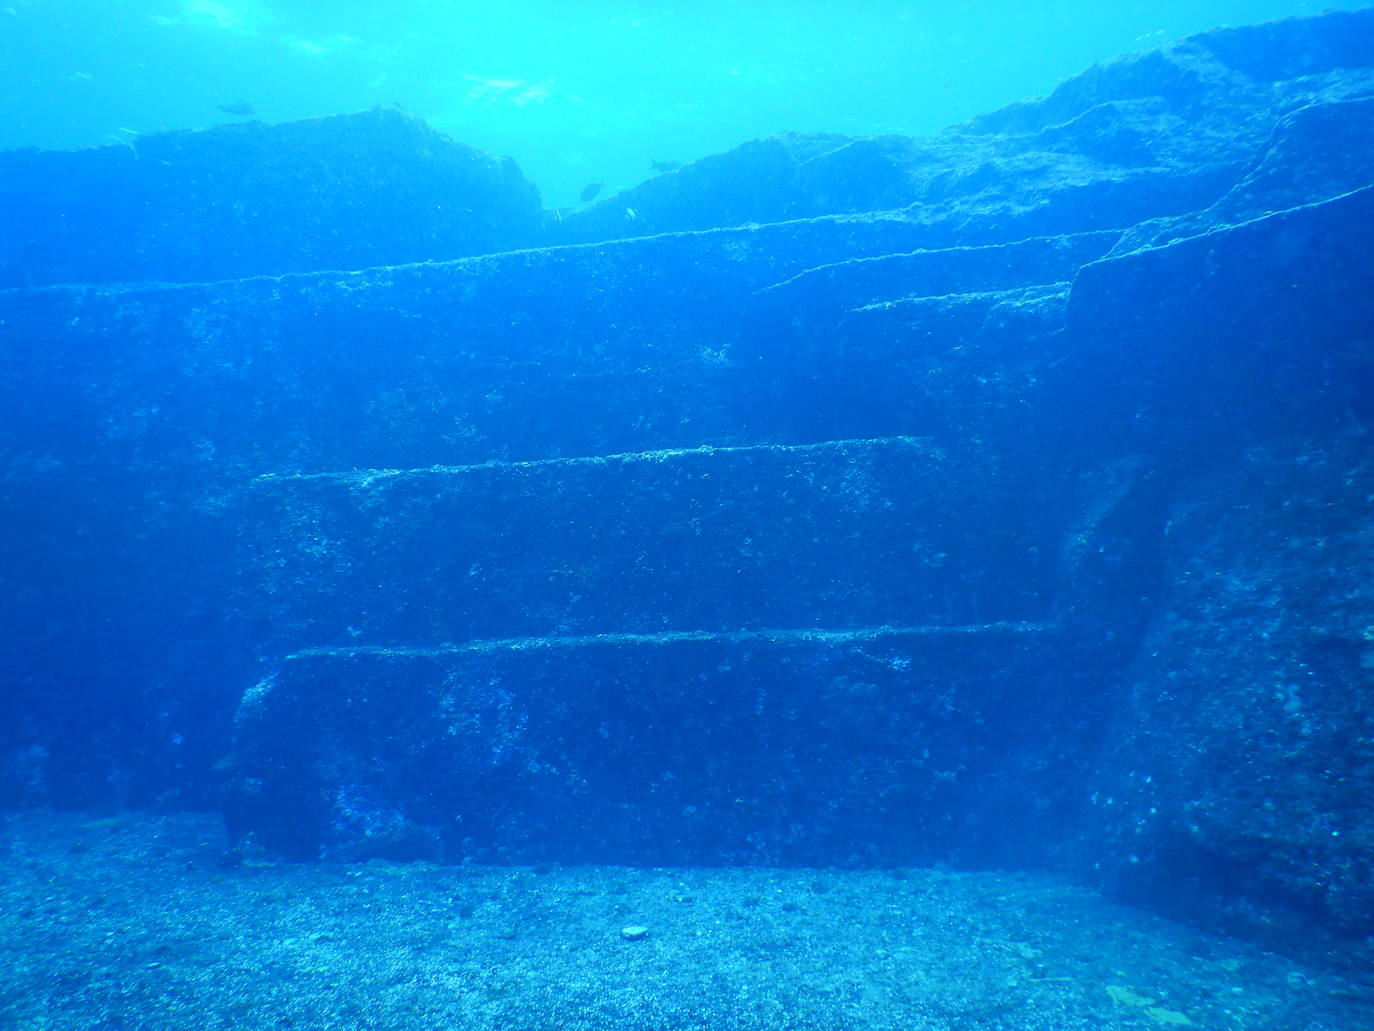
(139, 922)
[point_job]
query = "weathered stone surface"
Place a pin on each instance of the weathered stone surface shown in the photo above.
(134, 417)
(881, 745)
(352, 191)
(1163, 132)
(1319, 152)
(644, 341)
(1197, 331)
(835, 535)
(840, 287)
(1240, 767)
(1232, 775)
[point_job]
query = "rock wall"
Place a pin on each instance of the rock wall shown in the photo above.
(995, 498)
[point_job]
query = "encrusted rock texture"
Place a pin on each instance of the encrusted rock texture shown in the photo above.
(1000, 497)
(348, 191)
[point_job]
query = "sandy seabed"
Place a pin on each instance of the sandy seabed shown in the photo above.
(136, 922)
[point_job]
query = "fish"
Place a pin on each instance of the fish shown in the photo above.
(590, 191)
(665, 166)
(240, 108)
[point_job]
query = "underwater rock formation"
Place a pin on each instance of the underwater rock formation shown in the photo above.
(350, 191)
(1160, 133)
(991, 498)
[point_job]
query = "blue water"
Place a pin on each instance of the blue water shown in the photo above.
(576, 92)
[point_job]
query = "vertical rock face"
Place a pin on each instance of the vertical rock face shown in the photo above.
(1234, 763)
(1240, 766)
(994, 498)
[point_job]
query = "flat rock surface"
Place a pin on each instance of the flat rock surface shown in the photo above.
(135, 923)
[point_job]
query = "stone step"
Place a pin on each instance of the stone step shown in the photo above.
(839, 534)
(792, 746)
(575, 350)
(935, 274)
(1244, 342)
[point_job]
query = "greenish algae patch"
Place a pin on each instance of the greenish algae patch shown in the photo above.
(1168, 1018)
(1128, 997)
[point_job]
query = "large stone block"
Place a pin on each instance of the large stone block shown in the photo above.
(841, 534)
(804, 747)
(1237, 778)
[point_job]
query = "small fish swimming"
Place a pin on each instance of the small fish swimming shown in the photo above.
(590, 191)
(240, 108)
(665, 166)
